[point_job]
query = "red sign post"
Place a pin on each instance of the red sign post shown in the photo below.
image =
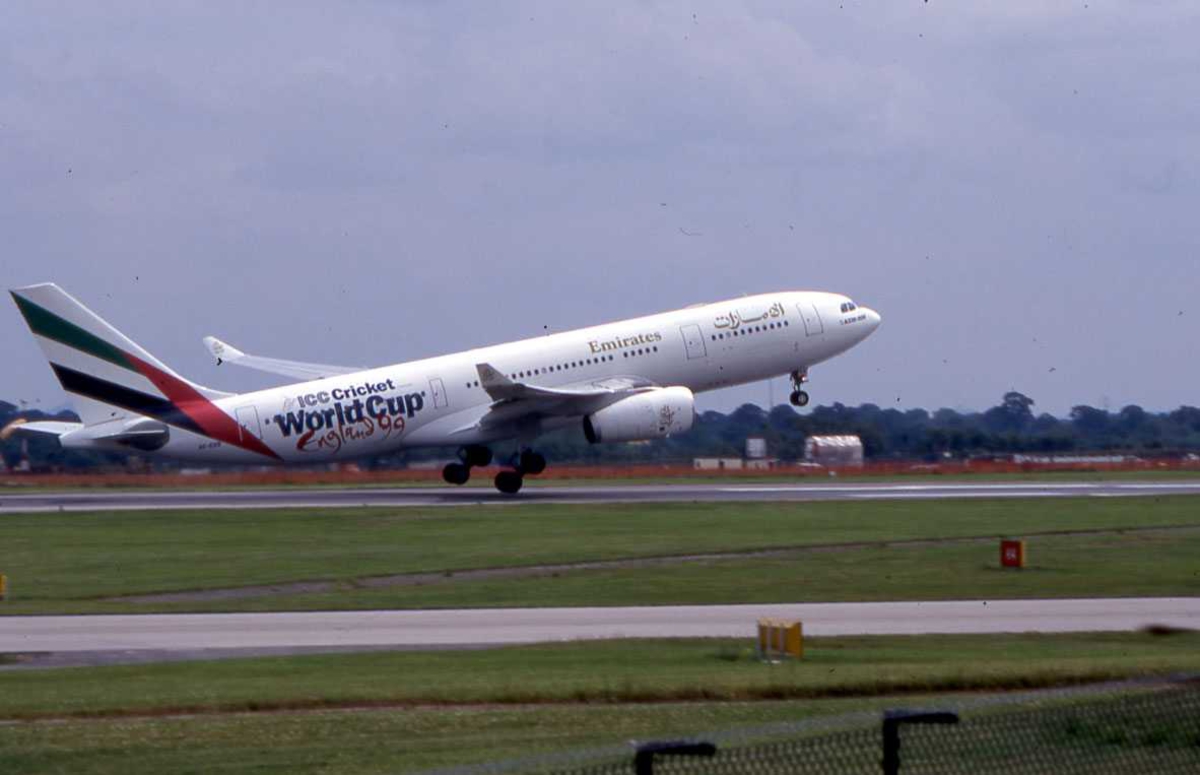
(1012, 554)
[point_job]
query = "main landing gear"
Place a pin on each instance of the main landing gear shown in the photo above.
(508, 481)
(525, 462)
(471, 456)
(799, 397)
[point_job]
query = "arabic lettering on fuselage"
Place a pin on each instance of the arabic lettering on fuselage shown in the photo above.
(329, 419)
(734, 319)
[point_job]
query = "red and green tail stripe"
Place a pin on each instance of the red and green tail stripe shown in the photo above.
(184, 406)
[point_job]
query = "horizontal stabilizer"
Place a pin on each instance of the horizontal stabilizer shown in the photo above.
(227, 353)
(143, 433)
(48, 427)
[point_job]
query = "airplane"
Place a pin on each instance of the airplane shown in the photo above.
(631, 380)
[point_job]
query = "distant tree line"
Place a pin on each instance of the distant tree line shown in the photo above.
(887, 434)
(916, 434)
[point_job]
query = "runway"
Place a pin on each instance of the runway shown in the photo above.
(401, 497)
(231, 634)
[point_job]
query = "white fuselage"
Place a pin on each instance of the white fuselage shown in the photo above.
(438, 401)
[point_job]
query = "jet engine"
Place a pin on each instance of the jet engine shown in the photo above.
(654, 414)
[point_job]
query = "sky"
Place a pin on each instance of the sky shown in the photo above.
(1013, 185)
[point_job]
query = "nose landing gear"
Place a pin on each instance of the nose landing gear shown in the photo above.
(799, 397)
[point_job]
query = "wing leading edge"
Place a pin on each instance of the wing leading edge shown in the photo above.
(517, 402)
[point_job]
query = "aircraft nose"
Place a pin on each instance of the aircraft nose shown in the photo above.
(873, 319)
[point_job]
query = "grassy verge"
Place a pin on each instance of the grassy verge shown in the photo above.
(609, 671)
(460, 707)
(376, 741)
(1146, 564)
(76, 562)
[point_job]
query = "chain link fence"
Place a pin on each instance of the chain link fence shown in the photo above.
(1144, 729)
(1133, 726)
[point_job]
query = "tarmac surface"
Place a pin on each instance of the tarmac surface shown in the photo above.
(153, 637)
(650, 493)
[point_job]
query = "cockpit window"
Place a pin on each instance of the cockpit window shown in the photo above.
(849, 306)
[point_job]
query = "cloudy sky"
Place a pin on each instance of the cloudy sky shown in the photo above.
(1012, 184)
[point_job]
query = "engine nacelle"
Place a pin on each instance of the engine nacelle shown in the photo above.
(654, 414)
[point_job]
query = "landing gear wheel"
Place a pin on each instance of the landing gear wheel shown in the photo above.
(476, 455)
(509, 482)
(532, 463)
(799, 397)
(456, 473)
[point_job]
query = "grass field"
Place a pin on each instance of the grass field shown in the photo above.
(1150, 564)
(75, 561)
(605, 671)
(375, 741)
(835, 551)
(450, 707)
(399, 711)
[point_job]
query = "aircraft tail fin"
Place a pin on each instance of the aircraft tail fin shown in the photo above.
(108, 375)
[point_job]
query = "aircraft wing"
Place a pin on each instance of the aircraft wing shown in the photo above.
(227, 353)
(514, 402)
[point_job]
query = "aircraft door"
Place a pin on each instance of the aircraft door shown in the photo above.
(812, 319)
(438, 391)
(247, 420)
(693, 342)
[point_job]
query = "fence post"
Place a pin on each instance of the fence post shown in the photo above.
(892, 719)
(643, 760)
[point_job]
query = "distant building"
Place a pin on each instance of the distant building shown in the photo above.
(1074, 459)
(718, 464)
(834, 451)
(756, 459)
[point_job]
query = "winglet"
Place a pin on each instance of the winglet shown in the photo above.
(222, 351)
